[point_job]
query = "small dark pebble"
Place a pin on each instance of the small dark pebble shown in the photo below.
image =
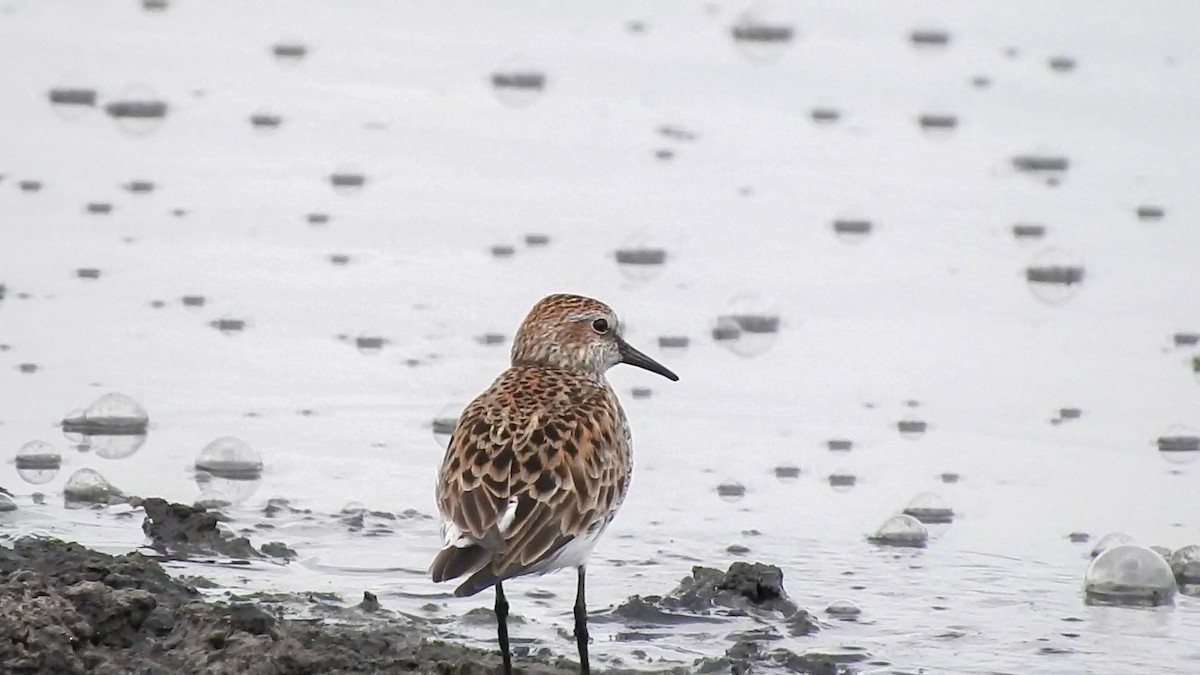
(370, 603)
(677, 133)
(1062, 64)
(228, 325)
(786, 471)
(1029, 231)
(673, 341)
(929, 38)
(1067, 275)
(731, 489)
(137, 109)
(347, 180)
(1148, 212)
(937, 121)
(825, 115)
(1040, 163)
(266, 121)
(369, 342)
(138, 187)
(1180, 339)
(519, 80)
(289, 50)
(72, 96)
(842, 479)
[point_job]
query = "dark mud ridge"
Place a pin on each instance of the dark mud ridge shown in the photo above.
(68, 610)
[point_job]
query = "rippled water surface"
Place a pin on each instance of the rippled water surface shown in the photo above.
(323, 242)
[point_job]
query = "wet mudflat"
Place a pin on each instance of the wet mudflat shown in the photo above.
(68, 609)
(299, 242)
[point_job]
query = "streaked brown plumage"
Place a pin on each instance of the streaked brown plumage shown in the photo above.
(540, 462)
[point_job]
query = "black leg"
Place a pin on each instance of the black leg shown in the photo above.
(581, 634)
(502, 628)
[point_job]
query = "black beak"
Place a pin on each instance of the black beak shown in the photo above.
(635, 358)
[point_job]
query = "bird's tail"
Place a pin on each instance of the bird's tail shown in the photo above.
(454, 561)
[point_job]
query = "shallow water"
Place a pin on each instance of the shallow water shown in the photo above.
(928, 318)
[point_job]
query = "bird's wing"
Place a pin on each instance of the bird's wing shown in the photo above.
(523, 488)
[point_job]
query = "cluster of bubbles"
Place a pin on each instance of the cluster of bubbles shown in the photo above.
(1125, 573)
(113, 427)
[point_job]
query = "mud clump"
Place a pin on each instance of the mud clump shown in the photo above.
(744, 586)
(752, 590)
(178, 530)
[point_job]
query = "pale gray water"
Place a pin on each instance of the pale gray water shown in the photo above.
(932, 306)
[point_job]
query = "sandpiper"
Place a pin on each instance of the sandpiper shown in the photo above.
(540, 462)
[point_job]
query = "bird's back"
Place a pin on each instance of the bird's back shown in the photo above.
(535, 470)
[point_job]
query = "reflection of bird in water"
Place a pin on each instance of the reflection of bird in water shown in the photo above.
(540, 462)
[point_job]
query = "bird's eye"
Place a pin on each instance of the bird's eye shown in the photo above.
(600, 326)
